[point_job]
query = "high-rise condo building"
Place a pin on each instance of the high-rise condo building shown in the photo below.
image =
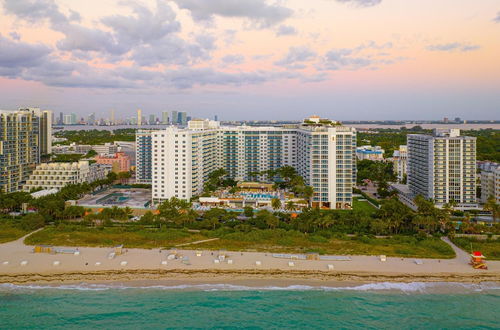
(61, 118)
(25, 135)
(152, 120)
(143, 164)
(442, 167)
(139, 117)
(174, 118)
(74, 119)
(164, 118)
(112, 118)
(182, 118)
(322, 151)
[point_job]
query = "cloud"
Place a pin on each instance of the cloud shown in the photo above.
(233, 59)
(453, 47)
(296, 58)
(286, 30)
(497, 19)
(35, 11)
(366, 55)
(258, 12)
(14, 35)
(144, 26)
(17, 55)
(361, 3)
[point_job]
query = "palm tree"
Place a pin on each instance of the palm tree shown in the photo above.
(290, 206)
(275, 203)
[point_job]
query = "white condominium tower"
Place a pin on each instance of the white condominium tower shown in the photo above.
(442, 167)
(322, 151)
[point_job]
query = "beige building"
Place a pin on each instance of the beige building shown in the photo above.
(58, 175)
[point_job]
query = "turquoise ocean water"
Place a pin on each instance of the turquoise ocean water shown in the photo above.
(374, 306)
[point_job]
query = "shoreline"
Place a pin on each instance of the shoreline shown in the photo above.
(20, 265)
(218, 276)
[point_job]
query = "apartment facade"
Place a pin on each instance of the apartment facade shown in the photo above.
(399, 162)
(442, 167)
(25, 135)
(119, 162)
(182, 159)
(59, 175)
(143, 145)
(490, 184)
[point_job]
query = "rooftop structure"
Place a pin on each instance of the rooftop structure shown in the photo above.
(371, 153)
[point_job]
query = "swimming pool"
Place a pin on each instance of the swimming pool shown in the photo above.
(113, 199)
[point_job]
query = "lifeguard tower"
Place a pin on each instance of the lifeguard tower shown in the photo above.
(477, 260)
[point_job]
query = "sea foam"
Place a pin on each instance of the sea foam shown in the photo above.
(411, 287)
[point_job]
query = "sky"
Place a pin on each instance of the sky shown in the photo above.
(254, 59)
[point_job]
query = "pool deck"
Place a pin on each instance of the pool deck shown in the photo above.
(136, 198)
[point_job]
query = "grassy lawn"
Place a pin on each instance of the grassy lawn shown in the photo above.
(363, 206)
(257, 240)
(96, 237)
(10, 233)
(489, 248)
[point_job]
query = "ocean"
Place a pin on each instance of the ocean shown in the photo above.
(220, 306)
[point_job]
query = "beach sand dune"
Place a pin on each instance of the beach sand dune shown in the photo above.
(93, 264)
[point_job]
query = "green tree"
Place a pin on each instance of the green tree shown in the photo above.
(32, 221)
(275, 203)
(248, 211)
(492, 206)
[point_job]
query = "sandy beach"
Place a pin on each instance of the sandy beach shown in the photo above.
(18, 264)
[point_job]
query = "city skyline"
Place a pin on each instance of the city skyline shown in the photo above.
(348, 60)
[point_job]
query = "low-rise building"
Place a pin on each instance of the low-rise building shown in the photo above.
(73, 148)
(120, 161)
(369, 152)
(59, 175)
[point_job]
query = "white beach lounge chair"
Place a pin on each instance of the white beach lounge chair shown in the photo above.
(123, 263)
(291, 264)
(383, 258)
(216, 261)
(164, 262)
(330, 267)
(98, 263)
(24, 263)
(258, 263)
(5, 263)
(229, 261)
(56, 263)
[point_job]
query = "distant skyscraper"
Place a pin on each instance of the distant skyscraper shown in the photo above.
(152, 120)
(61, 118)
(216, 118)
(182, 119)
(91, 119)
(112, 119)
(139, 117)
(74, 119)
(442, 167)
(174, 118)
(164, 117)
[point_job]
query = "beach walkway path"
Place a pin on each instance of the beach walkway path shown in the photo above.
(461, 255)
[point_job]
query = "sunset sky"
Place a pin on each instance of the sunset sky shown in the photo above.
(254, 59)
